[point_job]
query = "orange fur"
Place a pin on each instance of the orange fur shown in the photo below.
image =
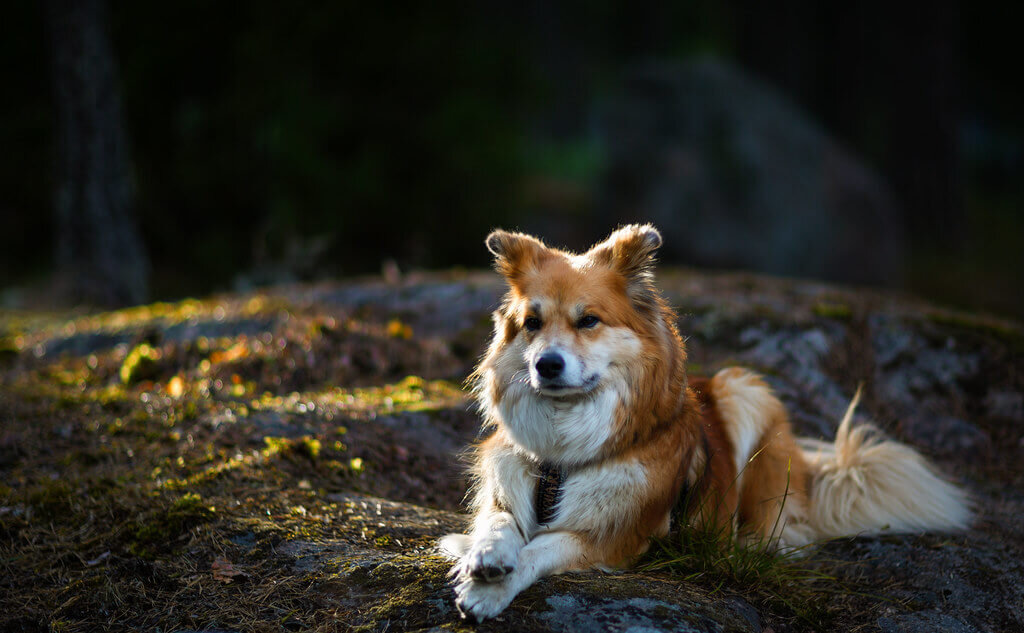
(628, 430)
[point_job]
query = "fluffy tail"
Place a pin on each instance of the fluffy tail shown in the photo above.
(864, 483)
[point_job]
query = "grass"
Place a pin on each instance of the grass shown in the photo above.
(785, 581)
(787, 584)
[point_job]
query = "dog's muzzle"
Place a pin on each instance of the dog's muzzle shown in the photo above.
(550, 365)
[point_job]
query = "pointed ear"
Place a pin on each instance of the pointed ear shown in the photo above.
(630, 251)
(513, 252)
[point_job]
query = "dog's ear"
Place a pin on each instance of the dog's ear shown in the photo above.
(630, 251)
(513, 252)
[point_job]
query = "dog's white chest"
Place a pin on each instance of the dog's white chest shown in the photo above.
(560, 431)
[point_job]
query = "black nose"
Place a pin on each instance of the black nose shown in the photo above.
(550, 365)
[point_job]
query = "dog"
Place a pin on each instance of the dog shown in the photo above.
(598, 434)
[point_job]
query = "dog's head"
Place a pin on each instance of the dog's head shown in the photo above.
(570, 320)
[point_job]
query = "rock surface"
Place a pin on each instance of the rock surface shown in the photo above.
(736, 176)
(352, 487)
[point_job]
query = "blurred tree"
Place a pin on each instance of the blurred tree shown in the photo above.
(262, 129)
(99, 253)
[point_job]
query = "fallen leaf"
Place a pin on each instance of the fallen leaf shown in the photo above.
(224, 571)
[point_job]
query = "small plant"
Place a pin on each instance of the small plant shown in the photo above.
(709, 553)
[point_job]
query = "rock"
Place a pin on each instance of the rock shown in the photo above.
(424, 433)
(736, 176)
(945, 435)
(924, 622)
(440, 307)
(570, 614)
(1005, 405)
(921, 379)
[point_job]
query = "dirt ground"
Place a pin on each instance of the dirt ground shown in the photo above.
(286, 460)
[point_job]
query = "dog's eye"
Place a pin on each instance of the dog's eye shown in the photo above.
(532, 324)
(587, 321)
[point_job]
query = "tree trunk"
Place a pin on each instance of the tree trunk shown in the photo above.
(99, 253)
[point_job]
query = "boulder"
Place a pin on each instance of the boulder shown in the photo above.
(735, 176)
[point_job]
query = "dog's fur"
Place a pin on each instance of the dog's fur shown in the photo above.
(586, 374)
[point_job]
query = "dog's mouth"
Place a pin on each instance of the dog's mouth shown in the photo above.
(559, 389)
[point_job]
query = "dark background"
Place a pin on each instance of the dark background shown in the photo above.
(260, 142)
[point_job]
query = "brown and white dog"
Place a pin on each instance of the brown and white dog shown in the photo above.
(597, 430)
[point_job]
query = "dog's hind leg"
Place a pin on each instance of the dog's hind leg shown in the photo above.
(771, 475)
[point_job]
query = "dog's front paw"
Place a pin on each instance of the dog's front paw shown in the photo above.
(478, 600)
(491, 561)
(455, 546)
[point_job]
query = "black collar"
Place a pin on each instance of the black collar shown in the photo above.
(549, 492)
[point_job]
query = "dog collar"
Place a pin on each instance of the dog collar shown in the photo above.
(549, 492)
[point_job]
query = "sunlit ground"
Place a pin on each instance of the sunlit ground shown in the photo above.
(153, 458)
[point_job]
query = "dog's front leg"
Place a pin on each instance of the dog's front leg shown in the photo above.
(548, 553)
(503, 519)
(490, 552)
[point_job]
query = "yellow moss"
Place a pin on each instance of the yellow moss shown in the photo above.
(397, 329)
(311, 446)
(140, 364)
(275, 446)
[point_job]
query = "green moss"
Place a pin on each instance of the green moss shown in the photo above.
(140, 364)
(187, 504)
(410, 394)
(51, 499)
(306, 446)
(833, 310)
(1001, 330)
(411, 584)
(162, 528)
(274, 446)
(310, 446)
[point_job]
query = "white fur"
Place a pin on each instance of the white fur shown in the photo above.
(503, 521)
(507, 484)
(573, 377)
(455, 546)
(865, 484)
(586, 366)
(549, 553)
(496, 542)
(591, 495)
(743, 401)
(560, 431)
(563, 430)
(505, 553)
(494, 563)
